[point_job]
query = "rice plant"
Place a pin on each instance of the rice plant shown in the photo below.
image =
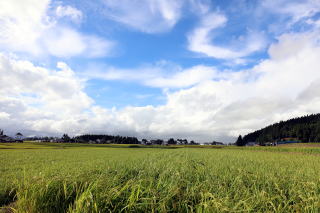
(111, 179)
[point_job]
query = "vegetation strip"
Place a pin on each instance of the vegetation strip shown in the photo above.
(93, 179)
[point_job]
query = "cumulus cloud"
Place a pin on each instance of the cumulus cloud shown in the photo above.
(147, 16)
(278, 88)
(206, 104)
(232, 103)
(37, 100)
(27, 27)
(58, 90)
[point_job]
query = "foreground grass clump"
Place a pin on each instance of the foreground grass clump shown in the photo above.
(106, 179)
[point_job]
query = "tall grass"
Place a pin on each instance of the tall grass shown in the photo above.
(159, 180)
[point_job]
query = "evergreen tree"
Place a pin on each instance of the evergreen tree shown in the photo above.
(171, 141)
(66, 138)
(240, 141)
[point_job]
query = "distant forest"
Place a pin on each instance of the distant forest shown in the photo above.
(304, 129)
(110, 139)
(102, 139)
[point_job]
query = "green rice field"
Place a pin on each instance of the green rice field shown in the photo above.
(44, 177)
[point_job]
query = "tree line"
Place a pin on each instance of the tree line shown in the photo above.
(110, 139)
(303, 129)
(103, 139)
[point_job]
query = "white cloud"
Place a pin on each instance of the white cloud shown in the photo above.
(206, 104)
(21, 24)
(77, 44)
(159, 75)
(288, 15)
(278, 88)
(200, 39)
(152, 16)
(26, 27)
(68, 11)
(296, 9)
(185, 78)
(147, 16)
(4, 115)
(35, 99)
(212, 37)
(56, 90)
(199, 6)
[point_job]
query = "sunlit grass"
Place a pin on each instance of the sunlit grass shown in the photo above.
(89, 178)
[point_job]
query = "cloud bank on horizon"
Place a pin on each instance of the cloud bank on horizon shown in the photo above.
(197, 69)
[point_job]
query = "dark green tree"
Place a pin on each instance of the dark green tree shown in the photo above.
(171, 141)
(193, 142)
(66, 138)
(158, 142)
(240, 141)
(300, 129)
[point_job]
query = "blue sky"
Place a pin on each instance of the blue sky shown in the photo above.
(199, 69)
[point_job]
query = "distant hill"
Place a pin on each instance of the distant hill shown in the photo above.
(304, 129)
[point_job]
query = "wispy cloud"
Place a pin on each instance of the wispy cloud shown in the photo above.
(159, 75)
(201, 39)
(68, 11)
(147, 16)
(296, 10)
